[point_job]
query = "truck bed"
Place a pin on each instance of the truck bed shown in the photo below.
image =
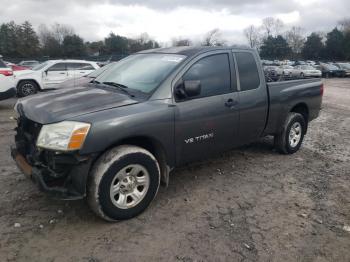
(285, 95)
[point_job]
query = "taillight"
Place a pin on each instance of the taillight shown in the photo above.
(322, 89)
(6, 72)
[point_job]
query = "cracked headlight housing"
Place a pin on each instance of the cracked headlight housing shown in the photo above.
(63, 136)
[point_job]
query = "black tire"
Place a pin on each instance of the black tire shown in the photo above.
(105, 171)
(302, 75)
(27, 88)
(282, 140)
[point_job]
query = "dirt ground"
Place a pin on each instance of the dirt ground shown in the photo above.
(250, 204)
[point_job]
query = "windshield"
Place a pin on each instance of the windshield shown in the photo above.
(142, 72)
(101, 70)
(307, 68)
(344, 65)
(331, 67)
(40, 66)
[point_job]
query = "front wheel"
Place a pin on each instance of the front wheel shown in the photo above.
(27, 88)
(292, 135)
(123, 182)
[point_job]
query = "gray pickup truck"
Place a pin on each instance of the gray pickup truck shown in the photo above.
(117, 138)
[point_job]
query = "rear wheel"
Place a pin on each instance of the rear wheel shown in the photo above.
(123, 183)
(292, 135)
(302, 75)
(27, 88)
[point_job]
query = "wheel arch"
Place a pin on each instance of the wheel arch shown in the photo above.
(29, 79)
(302, 109)
(154, 147)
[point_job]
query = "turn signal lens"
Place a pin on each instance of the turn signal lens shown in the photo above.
(78, 137)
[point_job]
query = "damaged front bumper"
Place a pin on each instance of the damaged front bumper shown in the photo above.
(64, 176)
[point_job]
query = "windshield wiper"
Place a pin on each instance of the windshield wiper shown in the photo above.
(115, 84)
(119, 86)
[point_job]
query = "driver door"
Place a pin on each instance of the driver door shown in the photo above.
(207, 123)
(55, 75)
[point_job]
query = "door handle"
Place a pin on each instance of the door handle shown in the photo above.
(231, 103)
(62, 73)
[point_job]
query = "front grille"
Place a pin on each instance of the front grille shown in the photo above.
(26, 136)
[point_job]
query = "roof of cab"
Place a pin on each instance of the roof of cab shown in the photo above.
(189, 50)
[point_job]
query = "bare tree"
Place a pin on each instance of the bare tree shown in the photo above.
(272, 26)
(295, 39)
(213, 38)
(44, 34)
(57, 32)
(181, 42)
(252, 34)
(144, 38)
(60, 31)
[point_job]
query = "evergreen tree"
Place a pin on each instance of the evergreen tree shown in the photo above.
(275, 48)
(313, 47)
(73, 46)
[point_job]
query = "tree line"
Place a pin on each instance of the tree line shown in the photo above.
(272, 39)
(273, 42)
(57, 41)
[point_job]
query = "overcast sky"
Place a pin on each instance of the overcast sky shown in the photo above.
(163, 20)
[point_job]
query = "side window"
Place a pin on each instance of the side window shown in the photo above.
(86, 66)
(213, 72)
(58, 67)
(80, 66)
(248, 71)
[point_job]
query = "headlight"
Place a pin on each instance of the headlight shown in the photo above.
(65, 136)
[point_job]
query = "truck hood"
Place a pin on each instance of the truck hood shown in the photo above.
(67, 103)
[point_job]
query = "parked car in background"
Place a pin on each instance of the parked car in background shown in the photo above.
(270, 73)
(300, 62)
(49, 74)
(7, 82)
(329, 70)
(285, 71)
(303, 71)
(29, 64)
(266, 62)
(16, 67)
(345, 67)
(310, 62)
(75, 82)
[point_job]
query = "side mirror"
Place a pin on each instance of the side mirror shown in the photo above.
(188, 88)
(192, 87)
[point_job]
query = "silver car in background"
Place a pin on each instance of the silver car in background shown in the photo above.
(285, 71)
(303, 71)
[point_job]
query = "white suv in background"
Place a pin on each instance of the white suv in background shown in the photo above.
(7, 82)
(50, 74)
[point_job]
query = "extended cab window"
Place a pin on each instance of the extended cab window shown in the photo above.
(58, 67)
(214, 74)
(248, 71)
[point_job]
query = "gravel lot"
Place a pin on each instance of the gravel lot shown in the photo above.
(250, 204)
